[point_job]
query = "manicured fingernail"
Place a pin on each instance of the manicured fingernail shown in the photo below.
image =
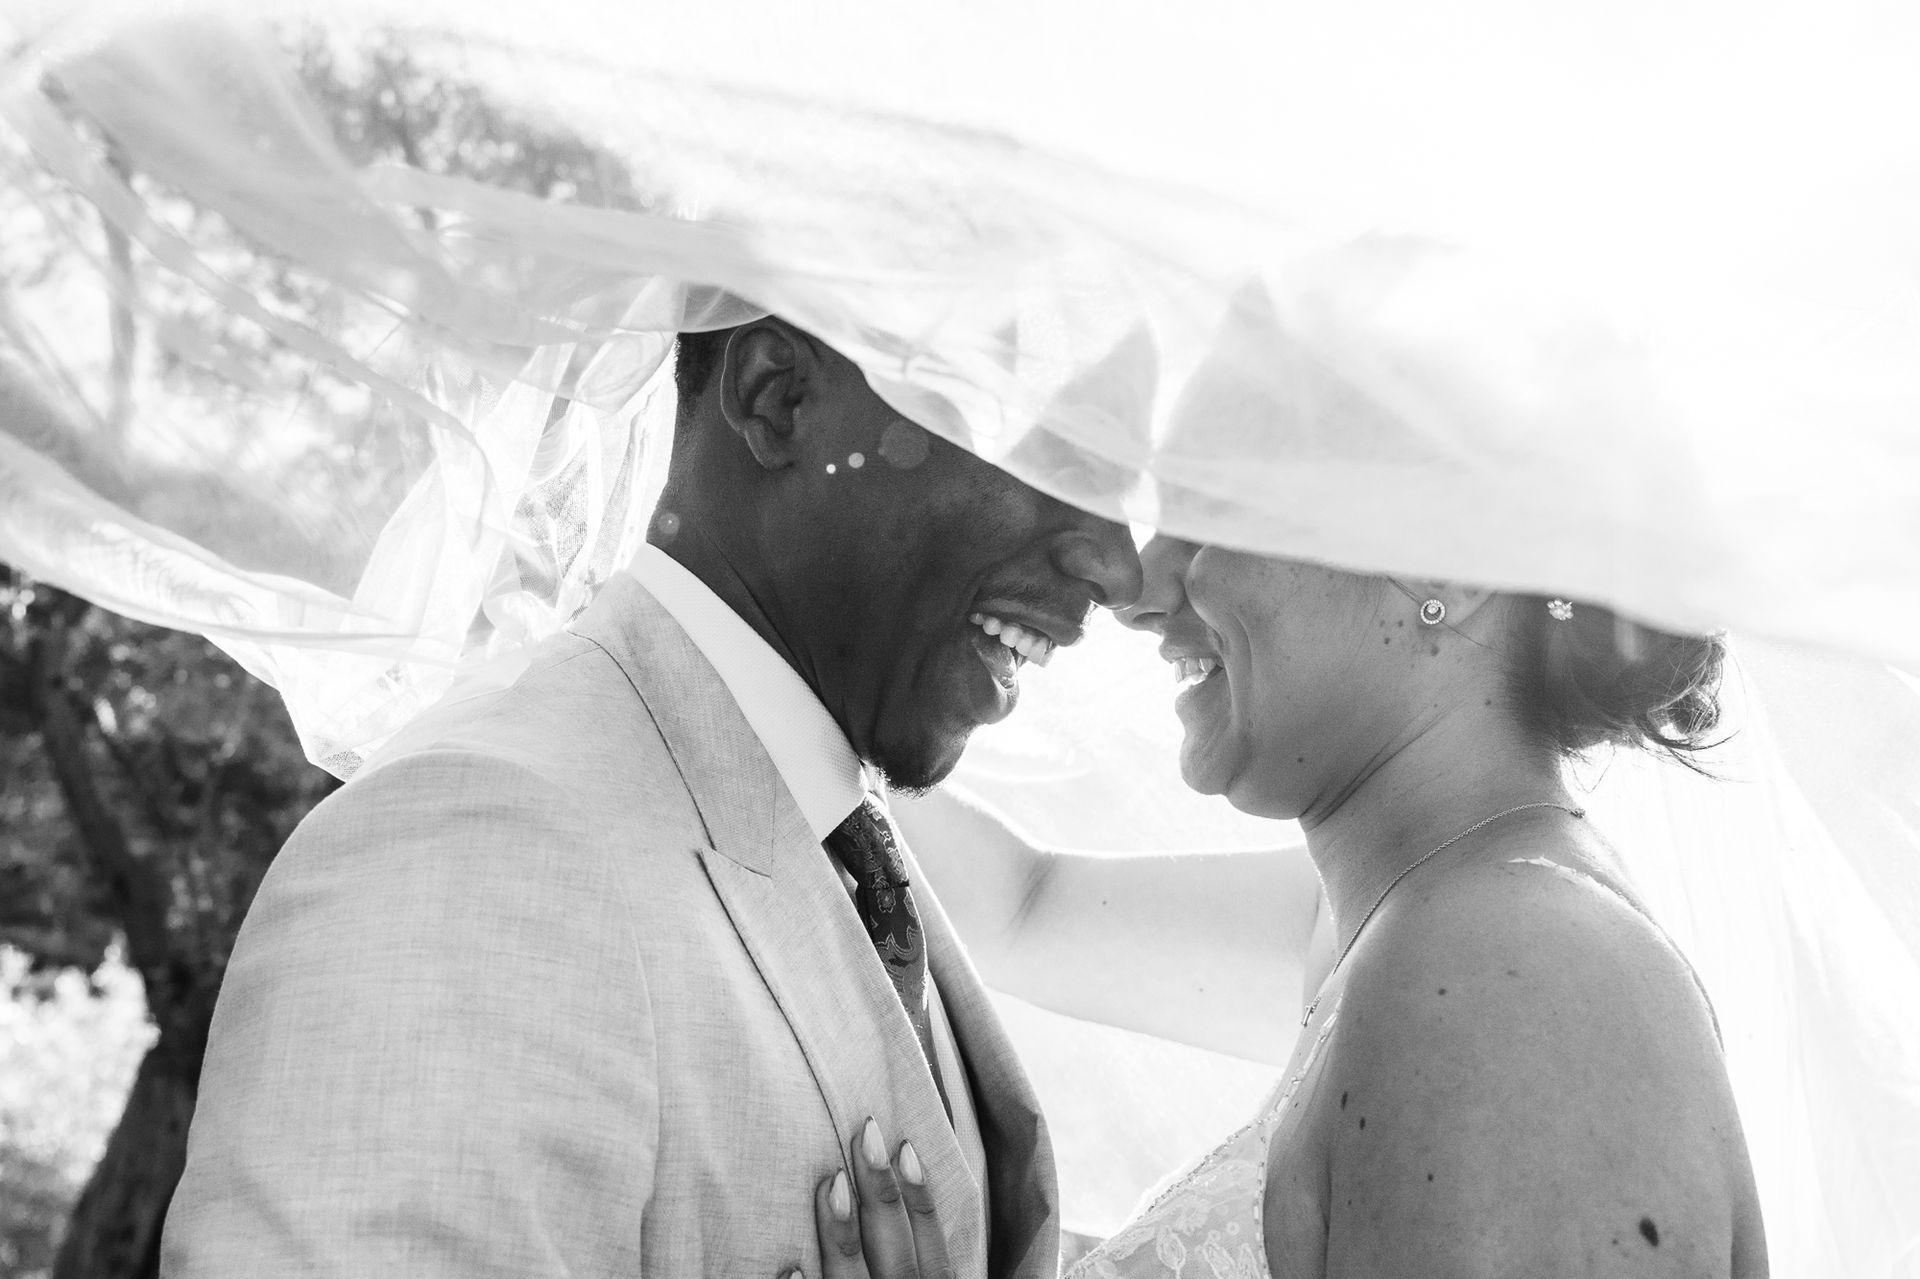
(910, 1165)
(873, 1147)
(840, 1197)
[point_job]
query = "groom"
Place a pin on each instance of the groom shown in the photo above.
(600, 975)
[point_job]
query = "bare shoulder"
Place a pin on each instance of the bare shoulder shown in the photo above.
(1531, 1081)
(1528, 936)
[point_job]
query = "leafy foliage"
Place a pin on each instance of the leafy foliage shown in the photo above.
(70, 1042)
(194, 760)
(149, 782)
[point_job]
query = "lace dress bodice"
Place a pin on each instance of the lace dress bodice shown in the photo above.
(1205, 1223)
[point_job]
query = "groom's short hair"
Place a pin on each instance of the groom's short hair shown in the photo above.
(695, 357)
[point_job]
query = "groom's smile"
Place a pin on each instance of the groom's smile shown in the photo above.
(1015, 642)
(963, 577)
(1013, 632)
(904, 578)
(928, 684)
(1006, 634)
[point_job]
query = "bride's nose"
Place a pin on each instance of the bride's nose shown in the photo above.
(1163, 576)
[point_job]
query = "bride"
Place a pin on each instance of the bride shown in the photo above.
(1505, 1066)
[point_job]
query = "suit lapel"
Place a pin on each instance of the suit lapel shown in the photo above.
(1025, 1201)
(807, 942)
(734, 785)
(787, 903)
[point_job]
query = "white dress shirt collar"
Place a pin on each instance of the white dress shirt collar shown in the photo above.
(804, 742)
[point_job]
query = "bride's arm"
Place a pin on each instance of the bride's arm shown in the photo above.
(1196, 947)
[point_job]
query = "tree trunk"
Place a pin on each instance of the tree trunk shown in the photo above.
(114, 1232)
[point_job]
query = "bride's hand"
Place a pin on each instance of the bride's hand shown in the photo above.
(883, 1225)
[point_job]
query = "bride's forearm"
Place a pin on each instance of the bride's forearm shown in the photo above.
(1204, 948)
(985, 872)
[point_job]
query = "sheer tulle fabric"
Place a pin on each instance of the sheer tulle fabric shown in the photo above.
(1617, 371)
(1615, 303)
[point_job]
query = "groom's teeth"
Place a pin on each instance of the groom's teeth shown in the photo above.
(1036, 648)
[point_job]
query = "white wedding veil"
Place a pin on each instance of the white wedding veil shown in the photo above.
(1613, 301)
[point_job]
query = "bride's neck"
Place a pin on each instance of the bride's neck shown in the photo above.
(1415, 797)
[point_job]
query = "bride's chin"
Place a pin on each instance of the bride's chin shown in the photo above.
(1200, 746)
(1201, 769)
(1194, 777)
(1210, 766)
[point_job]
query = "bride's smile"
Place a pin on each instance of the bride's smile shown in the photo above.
(1295, 678)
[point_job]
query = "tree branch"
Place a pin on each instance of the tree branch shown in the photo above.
(139, 895)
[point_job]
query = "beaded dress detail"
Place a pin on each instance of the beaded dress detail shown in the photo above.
(1206, 1223)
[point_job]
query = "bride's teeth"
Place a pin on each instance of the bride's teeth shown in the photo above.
(1193, 669)
(991, 625)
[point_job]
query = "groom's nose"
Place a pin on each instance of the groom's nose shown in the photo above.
(1100, 553)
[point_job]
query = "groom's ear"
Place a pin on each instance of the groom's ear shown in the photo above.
(765, 373)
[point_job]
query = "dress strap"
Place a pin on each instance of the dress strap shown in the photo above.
(1639, 908)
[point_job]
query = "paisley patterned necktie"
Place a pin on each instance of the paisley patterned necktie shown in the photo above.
(866, 845)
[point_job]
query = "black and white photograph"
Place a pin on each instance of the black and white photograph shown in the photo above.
(1076, 639)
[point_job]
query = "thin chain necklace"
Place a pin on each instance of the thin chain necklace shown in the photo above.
(1416, 865)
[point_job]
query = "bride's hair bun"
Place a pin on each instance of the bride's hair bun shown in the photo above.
(1598, 678)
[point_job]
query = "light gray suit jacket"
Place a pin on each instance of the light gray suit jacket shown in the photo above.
(565, 986)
